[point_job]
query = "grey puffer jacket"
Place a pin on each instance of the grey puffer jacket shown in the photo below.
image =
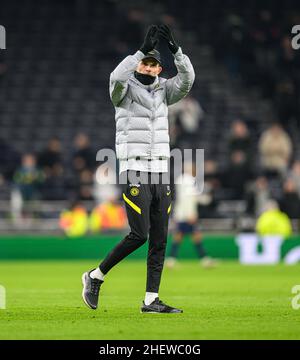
(142, 110)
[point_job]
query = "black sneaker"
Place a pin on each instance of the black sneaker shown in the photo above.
(90, 292)
(157, 306)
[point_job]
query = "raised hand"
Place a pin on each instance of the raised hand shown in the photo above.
(167, 35)
(151, 39)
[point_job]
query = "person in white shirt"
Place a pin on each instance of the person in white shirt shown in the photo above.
(186, 217)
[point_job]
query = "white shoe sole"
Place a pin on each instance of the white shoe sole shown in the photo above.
(149, 312)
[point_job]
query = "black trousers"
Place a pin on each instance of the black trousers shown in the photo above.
(148, 206)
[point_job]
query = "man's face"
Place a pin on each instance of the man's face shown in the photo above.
(149, 67)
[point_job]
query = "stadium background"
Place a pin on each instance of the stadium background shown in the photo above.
(55, 114)
(54, 79)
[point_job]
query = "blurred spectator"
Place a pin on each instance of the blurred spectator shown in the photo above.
(240, 139)
(50, 160)
(257, 196)
(108, 215)
(237, 175)
(74, 221)
(187, 196)
(184, 119)
(54, 187)
(86, 185)
(51, 156)
(275, 149)
(273, 222)
(84, 156)
(27, 181)
(290, 202)
(28, 178)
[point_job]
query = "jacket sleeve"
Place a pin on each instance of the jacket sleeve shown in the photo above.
(118, 81)
(180, 85)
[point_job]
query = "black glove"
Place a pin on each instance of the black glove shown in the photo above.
(166, 34)
(150, 40)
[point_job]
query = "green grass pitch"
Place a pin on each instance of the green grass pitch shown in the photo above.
(229, 302)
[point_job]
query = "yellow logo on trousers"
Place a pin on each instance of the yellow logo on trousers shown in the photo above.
(134, 191)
